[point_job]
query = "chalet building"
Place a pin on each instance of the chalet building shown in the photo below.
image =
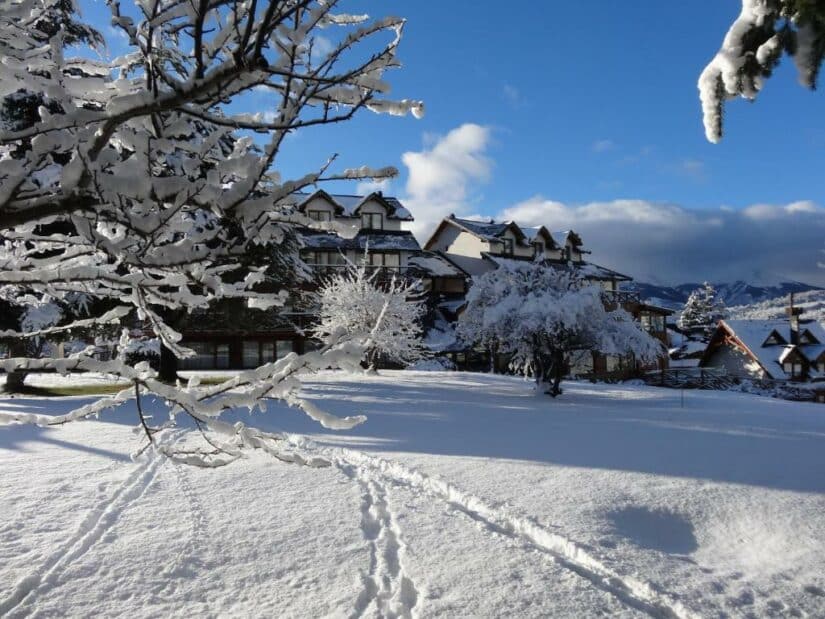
(477, 247)
(780, 350)
(230, 336)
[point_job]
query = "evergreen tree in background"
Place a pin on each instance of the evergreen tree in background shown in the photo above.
(752, 48)
(703, 310)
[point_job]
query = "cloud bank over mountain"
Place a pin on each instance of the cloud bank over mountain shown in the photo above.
(666, 243)
(652, 241)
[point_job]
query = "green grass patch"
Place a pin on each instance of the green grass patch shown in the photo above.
(69, 390)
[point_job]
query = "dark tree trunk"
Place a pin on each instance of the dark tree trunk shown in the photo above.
(168, 370)
(15, 381)
(557, 372)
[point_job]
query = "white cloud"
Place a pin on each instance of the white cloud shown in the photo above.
(602, 146)
(364, 188)
(692, 168)
(772, 211)
(651, 241)
(667, 243)
(440, 177)
(512, 95)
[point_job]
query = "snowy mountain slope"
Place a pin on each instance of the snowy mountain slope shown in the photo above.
(462, 495)
(735, 293)
(812, 302)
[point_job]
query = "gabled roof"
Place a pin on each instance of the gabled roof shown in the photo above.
(492, 231)
(534, 233)
(587, 269)
(487, 230)
(378, 241)
(572, 237)
(435, 265)
(349, 205)
(323, 195)
(774, 334)
(752, 335)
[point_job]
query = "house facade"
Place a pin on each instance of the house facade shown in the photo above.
(231, 336)
(791, 350)
(477, 247)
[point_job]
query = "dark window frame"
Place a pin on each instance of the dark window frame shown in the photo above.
(368, 223)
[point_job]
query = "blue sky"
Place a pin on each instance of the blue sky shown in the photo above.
(584, 103)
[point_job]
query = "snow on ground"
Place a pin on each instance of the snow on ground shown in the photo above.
(462, 495)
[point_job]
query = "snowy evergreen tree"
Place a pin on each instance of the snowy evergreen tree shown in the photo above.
(703, 310)
(753, 46)
(381, 315)
(148, 180)
(540, 316)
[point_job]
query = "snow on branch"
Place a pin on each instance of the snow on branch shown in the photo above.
(150, 181)
(753, 46)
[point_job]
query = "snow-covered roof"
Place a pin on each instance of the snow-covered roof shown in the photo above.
(378, 241)
(812, 352)
(435, 265)
(595, 271)
(348, 205)
(489, 230)
(587, 269)
(753, 334)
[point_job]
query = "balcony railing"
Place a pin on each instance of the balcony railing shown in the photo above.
(620, 297)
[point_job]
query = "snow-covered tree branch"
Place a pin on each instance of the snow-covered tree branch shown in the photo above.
(145, 179)
(374, 308)
(539, 315)
(753, 46)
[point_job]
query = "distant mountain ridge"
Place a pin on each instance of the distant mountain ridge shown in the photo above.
(738, 293)
(812, 304)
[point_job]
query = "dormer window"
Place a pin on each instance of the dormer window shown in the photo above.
(774, 339)
(508, 246)
(807, 338)
(539, 248)
(319, 215)
(372, 221)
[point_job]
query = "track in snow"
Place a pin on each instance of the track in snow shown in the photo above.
(632, 592)
(97, 521)
(387, 586)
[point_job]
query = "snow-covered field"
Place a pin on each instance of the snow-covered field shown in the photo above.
(463, 495)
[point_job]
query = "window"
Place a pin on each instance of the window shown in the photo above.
(616, 363)
(792, 369)
(381, 259)
(284, 347)
(251, 353)
(222, 356)
(319, 215)
(204, 358)
(539, 248)
(208, 356)
(372, 221)
(323, 258)
(645, 321)
(508, 246)
(773, 339)
(267, 352)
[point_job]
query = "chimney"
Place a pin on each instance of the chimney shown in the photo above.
(793, 317)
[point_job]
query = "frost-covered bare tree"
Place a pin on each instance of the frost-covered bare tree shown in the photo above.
(380, 313)
(753, 46)
(142, 180)
(540, 315)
